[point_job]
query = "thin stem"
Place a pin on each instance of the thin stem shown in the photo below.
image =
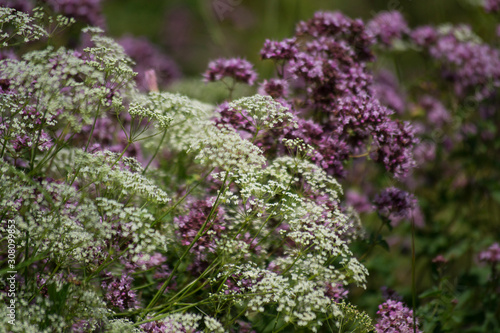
(193, 242)
(156, 152)
(413, 277)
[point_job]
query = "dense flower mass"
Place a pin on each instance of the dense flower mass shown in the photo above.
(395, 317)
(118, 292)
(128, 208)
(236, 68)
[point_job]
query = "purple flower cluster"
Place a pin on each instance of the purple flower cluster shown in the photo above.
(358, 201)
(88, 11)
(336, 291)
(236, 68)
(149, 57)
(189, 225)
(492, 6)
(471, 66)
(388, 92)
(388, 26)
(437, 115)
(284, 50)
(118, 292)
(276, 88)
(395, 141)
(395, 317)
(491, 255)
(394, 203)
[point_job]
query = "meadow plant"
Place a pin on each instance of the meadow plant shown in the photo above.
(143, 210)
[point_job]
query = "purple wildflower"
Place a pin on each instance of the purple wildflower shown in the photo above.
(388, 93)
(118, 292)
(88, 11)
(388, 26)
(491, 255)
(284, 50)
(492, 6)
(395, 318)
(395, 141)
(436, 112)
(190, 224)
(358, 201)
(236, 68)
(276, 88)
(336, 291)
(393, 203)
(424, 36)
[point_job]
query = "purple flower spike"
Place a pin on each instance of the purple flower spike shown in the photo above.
(239, 69)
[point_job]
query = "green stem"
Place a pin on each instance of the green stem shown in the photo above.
(156, 152)
(193, 242)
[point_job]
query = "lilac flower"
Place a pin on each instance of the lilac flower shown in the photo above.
(424, 36)
(149, 57)
(491, 255)
(436, 112)
(492, 6)
(395, 141)
(86, 10)
(189, 225)
(335, 24)
(358, 201)
(276, 88)
(118, 292)
(395, 318)
(336, 291)
(20, 5)
(388, 26)
(394, 203)
(236, 68)
(284, 50)
(468, 65)
(388, 93)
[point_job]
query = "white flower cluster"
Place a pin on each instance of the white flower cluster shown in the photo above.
(297, 300)
(264, 112)
(213, 325)
(51, 81)
(99, 169)
(132, 224)
(15, 23)
(223, 148)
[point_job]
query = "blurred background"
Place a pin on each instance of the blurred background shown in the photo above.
(193, 32)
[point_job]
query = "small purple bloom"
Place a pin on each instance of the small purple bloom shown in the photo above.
(236, 68)
(491, 255)
(276, 88)
(395, 318)
(388, 26)
(393, 203)
(118, 292)
(284, 50)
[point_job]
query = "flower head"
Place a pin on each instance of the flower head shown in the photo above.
(236, 68)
